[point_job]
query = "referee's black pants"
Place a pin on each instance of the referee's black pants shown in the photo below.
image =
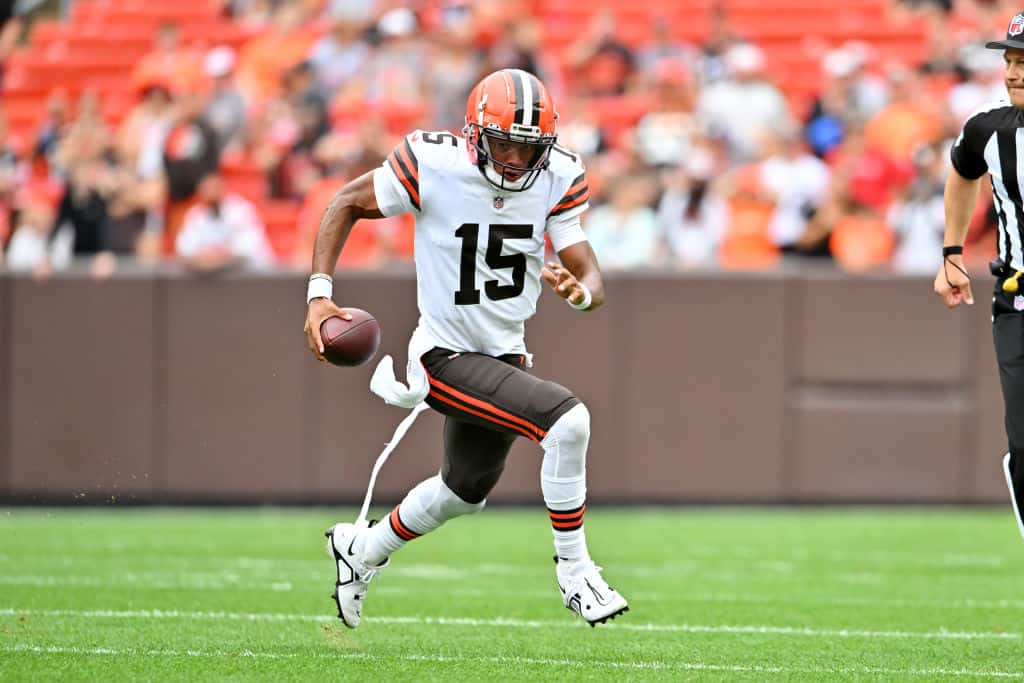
(1008, 334)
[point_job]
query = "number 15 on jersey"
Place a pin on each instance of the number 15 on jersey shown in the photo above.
(469, 233)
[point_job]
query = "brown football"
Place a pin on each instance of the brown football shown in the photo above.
(350, 342)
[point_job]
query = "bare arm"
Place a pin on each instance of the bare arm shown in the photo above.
(580, 266)
(952, 283)
(354, 201)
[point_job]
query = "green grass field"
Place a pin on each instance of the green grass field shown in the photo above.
(735, 594)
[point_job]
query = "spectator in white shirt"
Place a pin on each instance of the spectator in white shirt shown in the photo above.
(222, 231)
(744, 106)
(796, 181)
(33, 247)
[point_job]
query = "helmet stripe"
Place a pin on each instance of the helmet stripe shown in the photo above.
(529, 99)
(536, 98)
(517, 85)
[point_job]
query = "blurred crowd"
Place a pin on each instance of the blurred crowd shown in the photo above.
(227, 155)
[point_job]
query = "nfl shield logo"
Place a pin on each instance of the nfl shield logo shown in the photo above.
(499, 202)
(1018, 303)
(1016, 25)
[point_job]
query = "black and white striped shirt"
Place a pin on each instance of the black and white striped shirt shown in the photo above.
(993, 140)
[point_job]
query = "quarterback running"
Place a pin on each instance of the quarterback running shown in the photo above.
(484, 204)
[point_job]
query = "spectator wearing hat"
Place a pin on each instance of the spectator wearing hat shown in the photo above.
(744, 105)
(397, 67)
(225, 107)
(849, 95)
(342, 54)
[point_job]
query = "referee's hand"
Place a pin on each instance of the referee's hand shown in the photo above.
(952, 283)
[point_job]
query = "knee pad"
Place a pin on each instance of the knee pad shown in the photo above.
(565, 446)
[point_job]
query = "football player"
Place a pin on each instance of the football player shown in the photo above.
(483, 204)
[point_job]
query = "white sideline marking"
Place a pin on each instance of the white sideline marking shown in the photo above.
(502, 622)
(533, 661)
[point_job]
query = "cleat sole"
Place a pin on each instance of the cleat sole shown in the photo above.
(610, 617)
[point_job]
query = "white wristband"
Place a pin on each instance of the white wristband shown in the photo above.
(320, 285)
(587, 299)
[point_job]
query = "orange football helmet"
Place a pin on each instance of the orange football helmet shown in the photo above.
(510, 105)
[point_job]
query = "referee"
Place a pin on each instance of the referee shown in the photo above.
(993, 140)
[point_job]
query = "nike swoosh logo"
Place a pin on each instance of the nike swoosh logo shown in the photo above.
(598, 597)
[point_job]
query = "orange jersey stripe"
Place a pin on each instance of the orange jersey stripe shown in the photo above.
(405, 154)
(575, 188)
(489, 418)
(487, 406)
(568, 204)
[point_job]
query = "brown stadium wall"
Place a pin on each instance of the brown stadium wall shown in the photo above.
(5, 394)
(704, 387)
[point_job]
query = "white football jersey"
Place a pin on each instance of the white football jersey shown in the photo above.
(479, 250)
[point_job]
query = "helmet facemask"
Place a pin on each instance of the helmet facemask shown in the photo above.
(496, 172)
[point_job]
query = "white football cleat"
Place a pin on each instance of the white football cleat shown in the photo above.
(353, 573)
(585, 592)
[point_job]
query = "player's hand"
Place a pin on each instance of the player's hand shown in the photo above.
(952, 283)
(563, 282)
(320, 309)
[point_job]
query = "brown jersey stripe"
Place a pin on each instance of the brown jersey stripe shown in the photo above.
(575, 186)
(578, 192)
(581, 198)
(583, 192)
(410, 156)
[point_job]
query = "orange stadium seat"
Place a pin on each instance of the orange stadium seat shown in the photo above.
(245, 178)
(279, 218)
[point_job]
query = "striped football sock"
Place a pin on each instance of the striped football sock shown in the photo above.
(567, 528)
(426, 507)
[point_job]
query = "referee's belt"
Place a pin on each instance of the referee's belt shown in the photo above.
(1010, 277)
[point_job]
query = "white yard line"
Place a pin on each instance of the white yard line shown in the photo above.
(521, 623)
(504, 660)
(291, 582)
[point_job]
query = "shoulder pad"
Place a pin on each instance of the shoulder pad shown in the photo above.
(565, 163)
